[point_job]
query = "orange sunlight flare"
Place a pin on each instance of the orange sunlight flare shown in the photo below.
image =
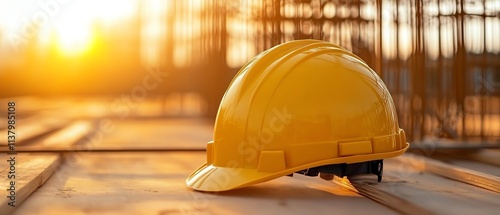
(67, 25)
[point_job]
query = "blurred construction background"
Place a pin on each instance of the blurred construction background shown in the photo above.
(440, 59)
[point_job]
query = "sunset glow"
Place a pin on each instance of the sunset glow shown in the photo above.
(72, 27)
(68, 25)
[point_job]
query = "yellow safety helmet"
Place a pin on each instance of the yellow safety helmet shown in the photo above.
(305, 106)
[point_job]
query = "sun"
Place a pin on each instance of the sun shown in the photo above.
(74, 26)
(67, 25)
(73, 34)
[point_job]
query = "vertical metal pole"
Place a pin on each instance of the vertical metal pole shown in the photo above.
(460, 69)
(412, 75)
(398, 60)
(379, 61)
(440, 103)
(421, 67)
(484, 80)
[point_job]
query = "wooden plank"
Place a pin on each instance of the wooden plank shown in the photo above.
(151, 135)
(60, 141)
(459, 159)
(131, 183)
(413, 191)
(476, 166)
(165, 135)
(472, 177)
(140, 135)
(154, 183)
(31, 172)
(30, 105)
(381, 196)
(68, 135)
(117, 108)
(489, 156)
(187, 133)
(34, 127)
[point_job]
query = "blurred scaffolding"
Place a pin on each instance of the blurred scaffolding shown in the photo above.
(439, 58)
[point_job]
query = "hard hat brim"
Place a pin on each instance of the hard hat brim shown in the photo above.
(212, 178)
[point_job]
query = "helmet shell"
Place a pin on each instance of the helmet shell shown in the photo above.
(299, 105)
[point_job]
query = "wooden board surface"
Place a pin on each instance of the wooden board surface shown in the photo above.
(174, 133)
(34, 127)
(431, 192)
(477, 166)
(489, 156)
(31, 172)
(153, 183)
(469, 176)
